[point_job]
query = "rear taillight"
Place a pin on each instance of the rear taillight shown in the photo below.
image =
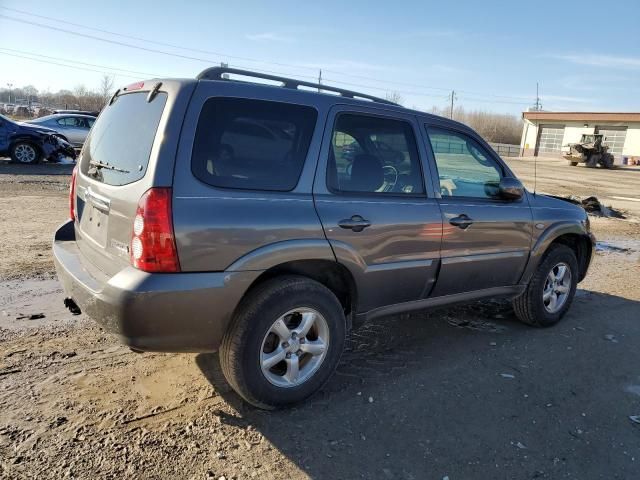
(72, 194)
(153, 245)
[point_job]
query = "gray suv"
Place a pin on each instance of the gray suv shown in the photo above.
(264, 221)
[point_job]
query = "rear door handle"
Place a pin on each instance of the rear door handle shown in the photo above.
(355, 223)
(461, 221)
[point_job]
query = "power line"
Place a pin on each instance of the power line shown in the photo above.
(484, 100)
(68, 66)
(211, 61)
(155, 42)
(78, 62)
(178, 55)
(247, 59)
(105, 68)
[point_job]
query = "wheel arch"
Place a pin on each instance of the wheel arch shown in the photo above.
(572, 235)
(581, 246)
(311, 258)
(329, 273)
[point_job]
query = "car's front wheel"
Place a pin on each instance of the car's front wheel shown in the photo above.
(25, 152)
(284, 342)
(551, 288)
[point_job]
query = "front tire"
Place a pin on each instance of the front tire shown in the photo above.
(25, 153)
(284, 342)
(551, 289)
(607, 161)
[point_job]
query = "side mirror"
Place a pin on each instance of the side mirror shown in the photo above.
(511, 189)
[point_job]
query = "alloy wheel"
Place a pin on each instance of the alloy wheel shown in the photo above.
(557, 287)
(25, 153)
(294, 347)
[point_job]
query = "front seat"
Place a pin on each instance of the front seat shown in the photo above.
(367, 174)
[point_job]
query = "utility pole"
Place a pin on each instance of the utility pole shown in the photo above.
(538, 105)
(453, 97)
(9, 85)
(319, 79)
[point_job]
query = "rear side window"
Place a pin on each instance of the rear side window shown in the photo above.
(252, 144)
(117, 150)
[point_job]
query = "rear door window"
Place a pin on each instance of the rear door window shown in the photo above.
(117, 150)
(252, 144)
(374, 155)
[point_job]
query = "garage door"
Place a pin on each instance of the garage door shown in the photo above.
(550, 140)
(614, 137)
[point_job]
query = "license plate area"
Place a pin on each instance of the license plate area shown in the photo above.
(94, 225)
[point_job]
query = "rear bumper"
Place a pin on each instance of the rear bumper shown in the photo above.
(170, 312)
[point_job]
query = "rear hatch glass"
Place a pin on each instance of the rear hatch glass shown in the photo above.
(114, 162)
(118, 148)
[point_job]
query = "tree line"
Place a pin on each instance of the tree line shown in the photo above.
(493, 127)
(80, 98)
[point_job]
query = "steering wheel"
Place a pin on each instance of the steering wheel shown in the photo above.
(388, 186)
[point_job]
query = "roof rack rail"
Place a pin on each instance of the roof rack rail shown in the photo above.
(218, 73)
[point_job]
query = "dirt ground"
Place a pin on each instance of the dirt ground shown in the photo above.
(461, 393)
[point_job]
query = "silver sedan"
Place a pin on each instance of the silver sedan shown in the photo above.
(73, 127)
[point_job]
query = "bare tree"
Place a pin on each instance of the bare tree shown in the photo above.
(493, 127)
(106, 88)
(394, 97)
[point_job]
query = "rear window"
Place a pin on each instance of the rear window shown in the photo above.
(117, 150)
(252, 144)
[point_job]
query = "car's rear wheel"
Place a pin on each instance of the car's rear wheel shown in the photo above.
(551, 289)
(284, 342)
(25, 152)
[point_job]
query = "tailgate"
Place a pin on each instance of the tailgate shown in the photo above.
(115, 168)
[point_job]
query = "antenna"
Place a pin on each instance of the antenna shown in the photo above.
(537, 107)
(535, 172)
(535, 159)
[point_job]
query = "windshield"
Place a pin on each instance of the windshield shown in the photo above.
(117, 150)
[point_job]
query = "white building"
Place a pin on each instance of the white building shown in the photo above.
(546, 133)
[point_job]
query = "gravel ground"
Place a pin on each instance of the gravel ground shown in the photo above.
(463, 393)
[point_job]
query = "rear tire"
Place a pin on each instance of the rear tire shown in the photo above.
(25, 153)
(270, 323)
(534, 307)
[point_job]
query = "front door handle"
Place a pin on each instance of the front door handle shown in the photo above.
(461, 221)
(355, 223)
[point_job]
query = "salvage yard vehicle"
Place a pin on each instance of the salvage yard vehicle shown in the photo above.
(26, 143)
(590, 151)
(73, 128)
(215, 214)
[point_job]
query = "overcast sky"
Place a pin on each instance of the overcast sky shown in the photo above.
(585, 54)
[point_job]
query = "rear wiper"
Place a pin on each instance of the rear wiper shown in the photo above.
(98, 165)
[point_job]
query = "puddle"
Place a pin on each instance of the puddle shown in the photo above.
(619, 247)
(32, 303)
